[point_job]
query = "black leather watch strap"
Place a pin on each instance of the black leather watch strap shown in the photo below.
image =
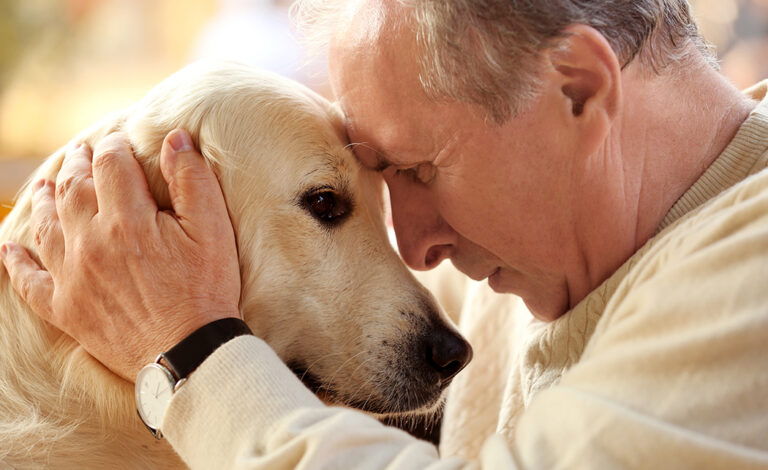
(186, 356)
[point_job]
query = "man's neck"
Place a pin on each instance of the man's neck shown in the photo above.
(668, 132)
(673, 129)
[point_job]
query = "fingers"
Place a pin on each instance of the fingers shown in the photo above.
(195, 192)
(45, 222)
(121, 187)
(31, 282)
(75, 197)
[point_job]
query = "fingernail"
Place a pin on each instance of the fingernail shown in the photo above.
(38, 184)
(181, 141)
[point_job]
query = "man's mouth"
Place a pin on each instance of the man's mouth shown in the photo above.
(492, 274)
(493, 279)
(482, 277)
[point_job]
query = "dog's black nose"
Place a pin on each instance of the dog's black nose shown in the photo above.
(447, 353)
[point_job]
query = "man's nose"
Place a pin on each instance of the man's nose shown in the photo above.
(424, 239)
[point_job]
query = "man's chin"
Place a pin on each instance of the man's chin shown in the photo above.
(541, 306)
(544, 311)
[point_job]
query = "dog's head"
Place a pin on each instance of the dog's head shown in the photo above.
(320, 281)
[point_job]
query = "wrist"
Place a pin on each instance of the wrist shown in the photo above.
(187, 318)
(156, 382)
(212, 403)
(183, 358)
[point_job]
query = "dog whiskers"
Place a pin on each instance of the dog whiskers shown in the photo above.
(327, 355)
(330, 379)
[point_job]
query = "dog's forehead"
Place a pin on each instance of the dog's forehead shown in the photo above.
(256, 125)
(325, 165)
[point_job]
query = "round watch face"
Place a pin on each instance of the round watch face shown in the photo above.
(154, 388)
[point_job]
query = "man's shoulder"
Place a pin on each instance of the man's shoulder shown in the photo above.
(715, 257)
(677, 356)
(741, 209)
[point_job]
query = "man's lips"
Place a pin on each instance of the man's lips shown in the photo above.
(482, 277)
(493, 280)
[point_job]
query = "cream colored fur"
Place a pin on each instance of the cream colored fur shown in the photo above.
(337, 301)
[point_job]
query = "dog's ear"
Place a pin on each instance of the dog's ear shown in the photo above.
(149, 123)
(147, 136)
(146, 147)
(147, 139)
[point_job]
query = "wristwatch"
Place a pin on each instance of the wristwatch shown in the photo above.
(158, 381)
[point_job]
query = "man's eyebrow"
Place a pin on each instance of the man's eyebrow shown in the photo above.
(381, 163)
(349, 125)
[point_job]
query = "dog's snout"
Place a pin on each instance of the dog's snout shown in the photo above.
(447, 353)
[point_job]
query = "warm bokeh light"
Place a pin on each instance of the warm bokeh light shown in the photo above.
(65, 64)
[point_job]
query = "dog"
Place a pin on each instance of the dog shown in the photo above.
(320, 282)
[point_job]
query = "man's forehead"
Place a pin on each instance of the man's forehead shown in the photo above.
(361, 22)
(370, 156)
(377, 93)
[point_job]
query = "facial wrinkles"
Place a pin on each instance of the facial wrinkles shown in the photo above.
(387, 112)
(428, 149)
(479, 245)
(393, 152)
(450, 189)
(390, 122)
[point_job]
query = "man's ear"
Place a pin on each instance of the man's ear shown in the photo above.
(589, 71)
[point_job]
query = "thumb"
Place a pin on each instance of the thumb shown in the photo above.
(195, 193)
(33, 283)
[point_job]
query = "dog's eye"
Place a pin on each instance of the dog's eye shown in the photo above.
(326, 206)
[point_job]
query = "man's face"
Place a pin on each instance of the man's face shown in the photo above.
(496, 200)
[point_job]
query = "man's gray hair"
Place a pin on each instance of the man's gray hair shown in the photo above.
(485, 52)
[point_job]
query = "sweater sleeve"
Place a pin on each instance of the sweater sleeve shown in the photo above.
(244, 409)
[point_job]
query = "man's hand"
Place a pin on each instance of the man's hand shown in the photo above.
(125, 280)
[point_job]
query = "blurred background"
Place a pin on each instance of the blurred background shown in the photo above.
(66, 63)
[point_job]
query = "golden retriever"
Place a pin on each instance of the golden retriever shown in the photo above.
(320, 282)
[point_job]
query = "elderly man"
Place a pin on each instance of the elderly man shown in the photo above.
(585, 156)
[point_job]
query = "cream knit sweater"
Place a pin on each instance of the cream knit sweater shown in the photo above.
(665, 365)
